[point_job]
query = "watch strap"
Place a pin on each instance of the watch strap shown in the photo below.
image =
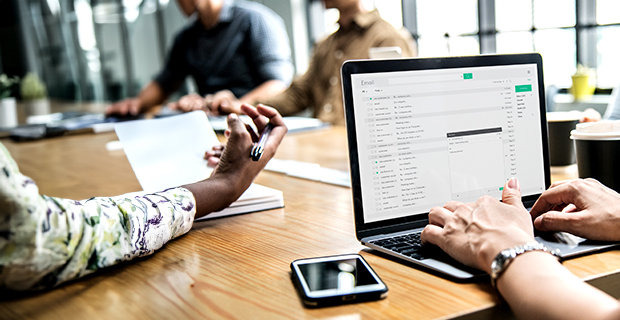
(505, 257)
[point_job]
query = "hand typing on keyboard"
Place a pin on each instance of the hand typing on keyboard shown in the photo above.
(474, 233)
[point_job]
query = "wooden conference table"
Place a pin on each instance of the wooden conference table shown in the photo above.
(238, 267)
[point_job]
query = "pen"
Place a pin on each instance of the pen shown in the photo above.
(257, 150)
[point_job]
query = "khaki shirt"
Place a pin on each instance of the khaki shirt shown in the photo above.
(319, 88)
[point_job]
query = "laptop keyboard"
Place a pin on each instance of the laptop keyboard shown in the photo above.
(408, 245)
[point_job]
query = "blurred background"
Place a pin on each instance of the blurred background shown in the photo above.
(105, 50)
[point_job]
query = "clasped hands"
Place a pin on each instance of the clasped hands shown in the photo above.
(221, 102)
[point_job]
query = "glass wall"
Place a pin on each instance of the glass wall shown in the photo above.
(98, 50)
(565, 32)
(108, 49)
(447, 27)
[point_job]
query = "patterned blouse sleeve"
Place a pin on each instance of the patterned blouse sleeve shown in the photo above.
(45, 241)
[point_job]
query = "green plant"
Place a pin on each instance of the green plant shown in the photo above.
(32, 88)
(6, 84)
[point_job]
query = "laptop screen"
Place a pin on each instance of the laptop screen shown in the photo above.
(428, 136)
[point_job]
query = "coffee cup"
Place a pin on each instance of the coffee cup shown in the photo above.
(597, 148)
(561, 147)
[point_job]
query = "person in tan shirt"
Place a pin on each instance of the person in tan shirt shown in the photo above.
(233, 45)
(320, 88)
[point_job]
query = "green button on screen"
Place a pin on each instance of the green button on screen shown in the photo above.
(468, 76)
(523, 88)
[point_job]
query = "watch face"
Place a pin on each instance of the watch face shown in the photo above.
(501, 259)
(494, 264)
(494, 267)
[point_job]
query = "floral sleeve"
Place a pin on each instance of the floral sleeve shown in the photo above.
(46, 241)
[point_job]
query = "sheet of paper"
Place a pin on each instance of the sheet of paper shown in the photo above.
(168, 152)
(310, 171)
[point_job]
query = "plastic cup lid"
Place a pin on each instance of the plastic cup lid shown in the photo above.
(602, 130)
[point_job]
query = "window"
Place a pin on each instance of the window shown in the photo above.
(544, 26)
(607, 44)
(447, 27)
(564, 32)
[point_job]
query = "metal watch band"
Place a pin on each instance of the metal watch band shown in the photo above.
(504, 258)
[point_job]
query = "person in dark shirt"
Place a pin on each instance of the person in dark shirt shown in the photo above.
(236, 46)
(319, 89)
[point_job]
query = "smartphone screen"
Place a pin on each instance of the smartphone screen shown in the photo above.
(339, 277)
(342, 275)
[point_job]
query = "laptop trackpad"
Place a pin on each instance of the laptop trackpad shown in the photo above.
(569, 244)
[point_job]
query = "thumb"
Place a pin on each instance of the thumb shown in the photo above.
(512, 193)
(235, 125)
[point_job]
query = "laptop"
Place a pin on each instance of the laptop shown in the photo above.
(422, 132)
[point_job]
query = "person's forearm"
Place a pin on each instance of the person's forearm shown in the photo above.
(152, 95)
(80, 237)
(264, 91)
(294, 99)
(536, 285)
(215, 193)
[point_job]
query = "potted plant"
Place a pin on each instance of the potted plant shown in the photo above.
(8, 110)
(34, 95)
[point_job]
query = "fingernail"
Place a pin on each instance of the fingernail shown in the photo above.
(513, 183)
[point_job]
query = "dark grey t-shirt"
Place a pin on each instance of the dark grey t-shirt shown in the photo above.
(247, 47)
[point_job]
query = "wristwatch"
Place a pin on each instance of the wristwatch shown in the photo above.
(504, 258)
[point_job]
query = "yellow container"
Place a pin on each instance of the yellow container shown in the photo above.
(582, 88)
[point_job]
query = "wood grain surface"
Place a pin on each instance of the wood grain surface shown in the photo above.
(238, 267)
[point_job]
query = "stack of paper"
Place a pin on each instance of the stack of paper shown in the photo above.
(168, 152)
(255, 198)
